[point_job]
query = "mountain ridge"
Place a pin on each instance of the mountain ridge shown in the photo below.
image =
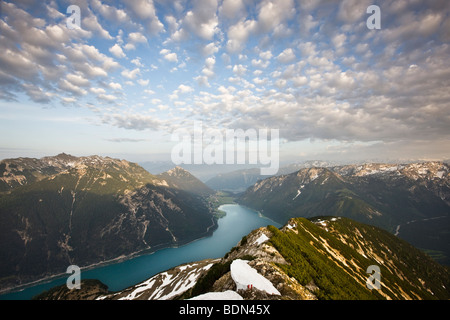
(63, 210)
(306, 259)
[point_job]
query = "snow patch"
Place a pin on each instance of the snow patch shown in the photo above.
(298, 193)
(245, 276)
(226, 295)
(262, 238)
(440, 174)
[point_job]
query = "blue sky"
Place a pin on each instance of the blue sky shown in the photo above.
(138, 70)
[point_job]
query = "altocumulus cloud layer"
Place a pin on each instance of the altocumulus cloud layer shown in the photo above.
(310, 68)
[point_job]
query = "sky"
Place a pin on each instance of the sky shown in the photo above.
(136, 71)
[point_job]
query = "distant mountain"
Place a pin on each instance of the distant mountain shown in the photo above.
(63, 210)
(182, 179)
(330, 258)
(384, 195)
(235, 181)
(240, 180)
(203, 172)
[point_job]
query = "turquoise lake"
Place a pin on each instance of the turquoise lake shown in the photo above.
(238, 222)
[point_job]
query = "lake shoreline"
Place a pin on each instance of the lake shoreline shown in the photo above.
(147, 251)
(130, 270)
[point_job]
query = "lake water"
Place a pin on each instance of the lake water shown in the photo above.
(238, 222)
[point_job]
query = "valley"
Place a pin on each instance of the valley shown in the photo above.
(63, 210)
(306, 259)
(95, 211)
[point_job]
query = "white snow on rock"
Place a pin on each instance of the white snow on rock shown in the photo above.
(262, 238)
(245, 277)
(298, 193)
(170, 284)
(226, 295)
(440, 174)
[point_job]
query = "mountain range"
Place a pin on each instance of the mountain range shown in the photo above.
(63, 210)
(338, 221)
(319, 258)
(239, 180)
(396, 198)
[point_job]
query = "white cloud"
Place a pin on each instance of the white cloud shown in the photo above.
(232, 8)
(208, 70)
(109, 12)
(168, 55)
(117, 51)
(69, 99)
(72, 88)
(300, 81)
(137, 62)
(143, 82)
(107, 97)
(91, 23)
(239, 69)
(266, 55)
(353, 10)
(136, 37)
(146, 12)
(77, 80)
(273, 13)
(202, 20)
(97, 90)
(286, 56)
(238, 35)
(210, 49)
(115, 86)
(131, 74)
(184, 88)
(260, 63)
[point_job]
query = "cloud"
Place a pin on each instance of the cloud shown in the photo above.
(232, 8)
(202, 20)
(115, 86)
(168, 55)
(208, 70)
(137, 62)
(132, 121)
(310, 67)
(239, 69)
(133, 39)
(91, 23)
(107, 97)
(184, 88)
(69, 100)
(238, 35)
(210, 49)
(97, 90)
(286, 56)
(274, 13)
(78, 80)
(145, 11)
(117, 51)
(131, 74)
(143, 82)
(110, 12)
(266, 55)
(68, 86)
(351, 11)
